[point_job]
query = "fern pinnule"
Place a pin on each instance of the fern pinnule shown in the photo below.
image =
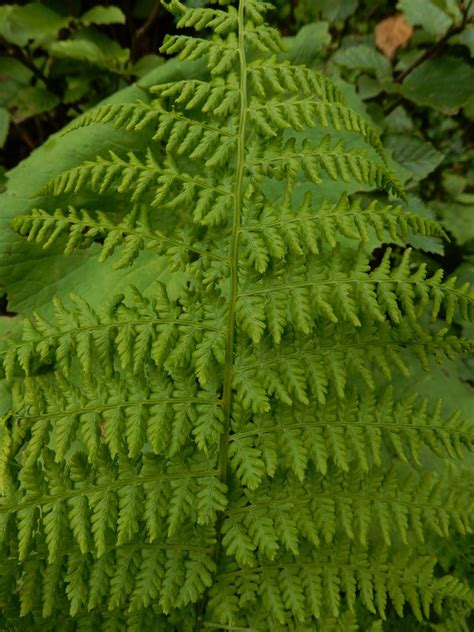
(82, 228)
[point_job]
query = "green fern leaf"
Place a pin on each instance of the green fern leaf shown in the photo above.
(239, 454)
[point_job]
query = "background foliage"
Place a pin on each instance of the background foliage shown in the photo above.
(59, 59)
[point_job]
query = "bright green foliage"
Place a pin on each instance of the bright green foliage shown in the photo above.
(242, 457)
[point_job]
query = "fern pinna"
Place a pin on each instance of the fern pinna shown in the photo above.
(242, 457)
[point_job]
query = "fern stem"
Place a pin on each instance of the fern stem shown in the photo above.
(114, 325)
(358, 569)
(233, 271)
(127, 230)
(238, 195)
(369, 212)
(102, 408)
(283, 357)
(341, 493)
(102, 487)
(220, 626)
(348, 424)
(336, 282)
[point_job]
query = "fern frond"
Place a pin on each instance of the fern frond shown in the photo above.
(131, 578)
(299, 114)
(303, 371)
(147, 181)
(83, 227)
(102, 505)
(221, 57)
(373, 579)
(315, 291)
(100, 174)
(222, 22)
(165, 123)
(131, 116)
(336, 162)
(274, 233)
(212, 100)
(125, 415)
(267, 78)
(150, 326)
(352, 432)
(354, 506)
(229, 459)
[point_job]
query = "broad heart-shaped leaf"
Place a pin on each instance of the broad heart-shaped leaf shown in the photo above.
(5, 397)
(34, 21)
(444, 382)
(426, 243)
(444, 84)
(426, 14)
(336, 10)
(33, 100)
(145, 64)
(310, 43)
(466, 38)
(93, 47)
(362, 57)
(457, 219)
(31, 276)
(7, 325)
(103, 15)
(15, 76)
(417, 157)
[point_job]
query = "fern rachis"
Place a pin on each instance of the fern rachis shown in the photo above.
(235, 458)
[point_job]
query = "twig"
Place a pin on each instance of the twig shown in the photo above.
(24, 135)
(19, 54)
(429, 53)
(143, 30)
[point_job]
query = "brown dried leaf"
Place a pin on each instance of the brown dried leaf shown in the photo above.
(392, 33)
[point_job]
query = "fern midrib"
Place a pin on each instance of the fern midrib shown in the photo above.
(118, 324)
(107, 163)
(249, 433)
(68, 494)
(143, 546)
(230, 628)
(348, 424)
(344, 348)
(131, 404)
(354, 567)
(361, 281)
(223, 457)
(319, 153)
(238, 196)
(307, 498)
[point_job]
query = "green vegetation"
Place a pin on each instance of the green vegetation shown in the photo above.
(236, 386)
